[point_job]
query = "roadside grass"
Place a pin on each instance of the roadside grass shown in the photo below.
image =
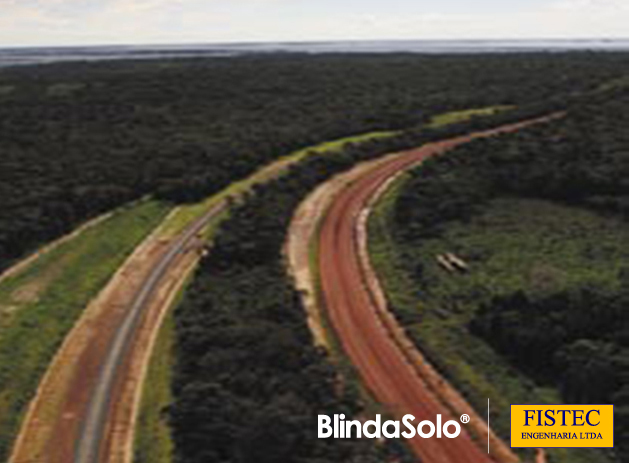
(455, 117)
(153, 443)
(385, 256)
(40, 304)
(515, 244)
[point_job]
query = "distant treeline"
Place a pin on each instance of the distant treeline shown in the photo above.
(80, 139)
(576, 340)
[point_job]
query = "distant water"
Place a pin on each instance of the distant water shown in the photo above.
(42, 55)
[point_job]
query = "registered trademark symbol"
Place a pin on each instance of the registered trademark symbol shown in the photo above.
(465, 419)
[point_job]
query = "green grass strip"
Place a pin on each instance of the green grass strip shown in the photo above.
(455, 117)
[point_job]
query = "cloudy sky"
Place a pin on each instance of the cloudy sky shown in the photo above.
(80, 22)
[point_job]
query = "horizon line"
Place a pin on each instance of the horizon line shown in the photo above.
(312, 42)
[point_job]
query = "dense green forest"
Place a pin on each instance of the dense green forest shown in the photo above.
(564, 326)
(79, 139)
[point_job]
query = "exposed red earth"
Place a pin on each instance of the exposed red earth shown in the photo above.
(367, 335)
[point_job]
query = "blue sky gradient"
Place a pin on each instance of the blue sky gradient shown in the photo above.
(84, 22)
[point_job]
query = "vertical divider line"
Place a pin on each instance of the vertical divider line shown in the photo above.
(488, 431)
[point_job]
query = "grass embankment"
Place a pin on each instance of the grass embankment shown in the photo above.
(40, 304)
(515, 244)
(153, 442)
(455, 117)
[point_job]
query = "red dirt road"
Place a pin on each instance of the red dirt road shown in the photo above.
(385, 369)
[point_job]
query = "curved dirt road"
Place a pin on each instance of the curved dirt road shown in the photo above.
(86, 404)
(91, 434)
(354, 310)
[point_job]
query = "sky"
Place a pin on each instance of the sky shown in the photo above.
(94, 22)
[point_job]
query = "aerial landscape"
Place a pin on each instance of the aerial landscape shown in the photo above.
(214, 248)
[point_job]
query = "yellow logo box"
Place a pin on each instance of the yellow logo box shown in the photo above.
(562, 426)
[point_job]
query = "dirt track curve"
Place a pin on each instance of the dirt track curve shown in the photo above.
(366, 335)
(85, 409)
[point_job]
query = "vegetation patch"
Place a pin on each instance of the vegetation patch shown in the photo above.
(554, 248)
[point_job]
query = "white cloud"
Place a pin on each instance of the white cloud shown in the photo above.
(47, 22)
(560, 19)
(591, 5)
(134, 6)
(16, 15)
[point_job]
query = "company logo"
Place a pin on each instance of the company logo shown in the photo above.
(562, 425)
(339, 428)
